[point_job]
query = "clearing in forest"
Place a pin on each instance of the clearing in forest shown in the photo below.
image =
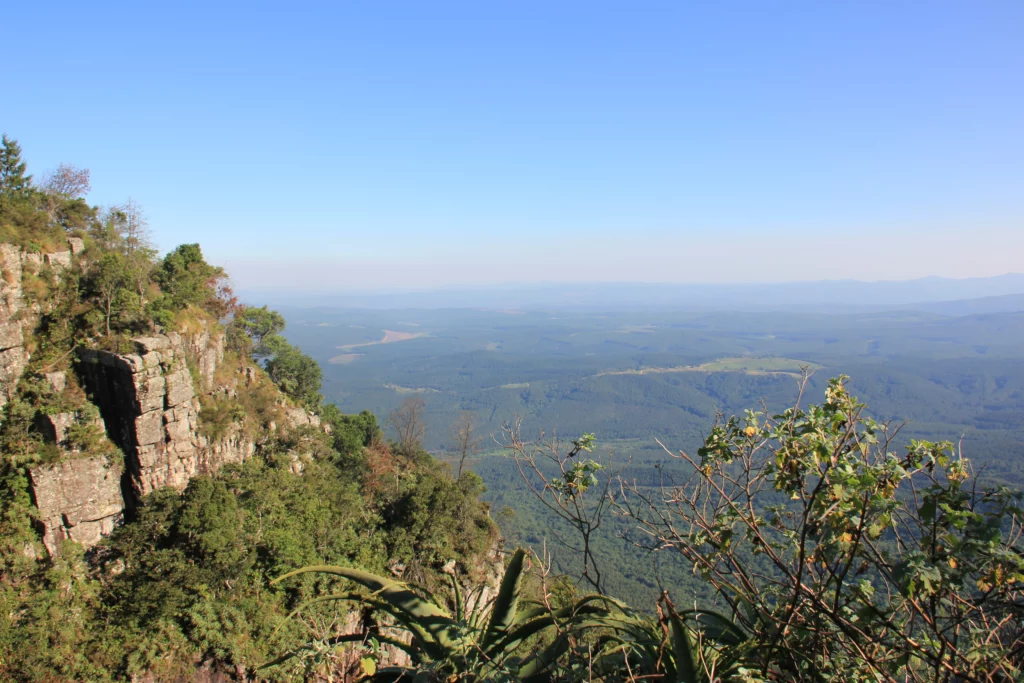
(344, 359)
(398, 389)
(390, 337)
(748, 366)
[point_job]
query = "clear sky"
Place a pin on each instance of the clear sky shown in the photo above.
(380, 144)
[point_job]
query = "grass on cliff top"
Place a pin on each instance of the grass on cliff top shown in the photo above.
(239, 404)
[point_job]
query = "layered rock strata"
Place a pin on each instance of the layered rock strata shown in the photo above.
(151, 409)
(149, 406)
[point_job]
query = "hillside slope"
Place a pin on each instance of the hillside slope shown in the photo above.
(165, 457)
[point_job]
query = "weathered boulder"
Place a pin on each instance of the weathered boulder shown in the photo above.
(78, 499)
(298, 417)
(77, 245)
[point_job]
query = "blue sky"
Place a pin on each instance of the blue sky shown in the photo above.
(371, 145)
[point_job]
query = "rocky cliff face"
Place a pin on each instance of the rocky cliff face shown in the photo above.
(149, 403)
(78, 499)
(151, 410)
(14, 313)
(12, 304)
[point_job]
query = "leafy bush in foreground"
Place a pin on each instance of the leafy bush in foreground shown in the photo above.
(844, 559)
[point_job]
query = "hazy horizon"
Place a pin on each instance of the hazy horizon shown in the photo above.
(1004, 293)
(726, 260)
(527, 285)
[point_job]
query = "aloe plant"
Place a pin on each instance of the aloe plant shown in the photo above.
(473, 645)
(488, 643)
(691, 646)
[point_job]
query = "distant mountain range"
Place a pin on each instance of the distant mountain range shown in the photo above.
(947, 296)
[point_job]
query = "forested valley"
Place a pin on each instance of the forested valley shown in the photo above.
(197, 487)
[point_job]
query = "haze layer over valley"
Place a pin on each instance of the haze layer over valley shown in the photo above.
(949, 369)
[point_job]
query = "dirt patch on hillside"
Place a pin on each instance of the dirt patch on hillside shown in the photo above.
(390, 337)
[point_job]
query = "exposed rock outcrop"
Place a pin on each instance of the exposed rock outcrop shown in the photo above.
(78, 499)
(487, 574)
(57, 381)
(151, 409)
(149, 402)
(207, 352)
(59, 260)
(12, 302)
(55, 427)
(13, 312)
(297, 417)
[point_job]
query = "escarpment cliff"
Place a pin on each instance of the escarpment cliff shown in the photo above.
(151, 408)
(117, 426)
(150, 400)
(163, 460)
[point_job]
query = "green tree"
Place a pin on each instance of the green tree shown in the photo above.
(351, 433)
(294, 372)
(128, 232)
(209, 528)
(186, 279)
(251, 329)
(13, 180)
(111, 280)
(256, 332)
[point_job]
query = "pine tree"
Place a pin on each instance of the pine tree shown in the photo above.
(13, 181)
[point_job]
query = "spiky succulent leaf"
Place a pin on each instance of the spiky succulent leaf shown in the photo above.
(341, 640)
(717, 627)
(457, 599)
(430, 623)
(687, 670)
(564, 617)
(506, 604)
(539, 664)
